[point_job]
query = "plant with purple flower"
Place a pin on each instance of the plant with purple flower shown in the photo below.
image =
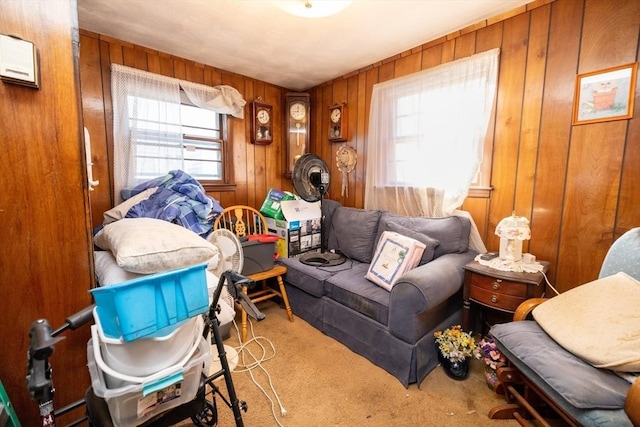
(493, 358)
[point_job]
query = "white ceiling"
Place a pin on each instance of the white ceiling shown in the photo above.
(259, 40)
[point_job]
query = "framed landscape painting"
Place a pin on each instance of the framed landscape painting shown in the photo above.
(605, 95)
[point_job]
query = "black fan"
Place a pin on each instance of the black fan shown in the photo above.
(311, 181)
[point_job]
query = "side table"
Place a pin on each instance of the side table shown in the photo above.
(498, 290)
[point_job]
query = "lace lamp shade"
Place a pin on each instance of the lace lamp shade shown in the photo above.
(512, 230)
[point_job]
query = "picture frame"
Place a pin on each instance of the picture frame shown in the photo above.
(605, 95)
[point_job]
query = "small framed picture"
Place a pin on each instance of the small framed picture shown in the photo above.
(605, 95)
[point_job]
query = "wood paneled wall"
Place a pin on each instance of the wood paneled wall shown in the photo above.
(256, 168)
(579, 185)
(45, 255)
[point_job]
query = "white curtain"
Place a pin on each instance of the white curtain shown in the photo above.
(221, 99)
(426, 135)
(146, 106)
(142, 103)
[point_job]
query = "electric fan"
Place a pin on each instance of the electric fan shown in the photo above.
(230, 258)
(311, 181)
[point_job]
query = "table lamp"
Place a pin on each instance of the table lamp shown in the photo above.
(512, 230)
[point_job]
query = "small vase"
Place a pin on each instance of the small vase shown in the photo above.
(455, 370)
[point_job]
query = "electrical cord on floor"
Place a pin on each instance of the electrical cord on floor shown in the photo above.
(243, 351)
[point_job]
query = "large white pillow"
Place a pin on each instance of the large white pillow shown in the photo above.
(107, 270)
(598, 322)
(149, 245)
(395, 254)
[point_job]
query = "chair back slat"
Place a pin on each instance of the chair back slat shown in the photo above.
(242, 221)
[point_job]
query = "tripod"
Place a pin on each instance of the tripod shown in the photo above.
(201, 411)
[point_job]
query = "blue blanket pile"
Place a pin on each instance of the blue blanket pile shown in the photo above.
(180, 199)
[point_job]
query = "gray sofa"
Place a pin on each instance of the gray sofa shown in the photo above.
(394, 330)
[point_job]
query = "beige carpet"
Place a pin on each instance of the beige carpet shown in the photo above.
(320, 382)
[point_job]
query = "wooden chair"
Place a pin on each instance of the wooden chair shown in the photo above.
(243, 221)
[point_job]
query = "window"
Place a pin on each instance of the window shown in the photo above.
(426, 136)
(162, 124)
(191, 140)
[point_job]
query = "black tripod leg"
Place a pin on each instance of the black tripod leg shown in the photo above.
(235, 403)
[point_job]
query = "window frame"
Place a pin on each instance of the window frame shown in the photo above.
(227, 182)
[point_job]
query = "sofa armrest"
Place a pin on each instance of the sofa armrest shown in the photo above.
(421, 290)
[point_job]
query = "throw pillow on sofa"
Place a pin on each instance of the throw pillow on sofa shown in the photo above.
(356, 232)
(395, 255)
(430, 243)
(452, 232)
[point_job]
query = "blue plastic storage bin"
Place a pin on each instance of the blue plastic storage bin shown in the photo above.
(153, 305)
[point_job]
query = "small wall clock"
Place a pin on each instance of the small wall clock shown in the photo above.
(261, 123)
(338, 123)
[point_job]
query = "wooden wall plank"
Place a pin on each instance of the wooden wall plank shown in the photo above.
(532, 110)
(589, 211)
(513, 58)
(557, 105)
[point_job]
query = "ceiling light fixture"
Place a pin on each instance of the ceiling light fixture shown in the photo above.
(313, 9)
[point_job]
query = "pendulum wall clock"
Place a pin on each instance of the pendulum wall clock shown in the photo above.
(297, 119)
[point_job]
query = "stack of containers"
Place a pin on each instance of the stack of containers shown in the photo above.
(147, 352)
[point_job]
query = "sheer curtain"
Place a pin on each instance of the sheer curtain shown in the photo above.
(146, 106)
(426, 135)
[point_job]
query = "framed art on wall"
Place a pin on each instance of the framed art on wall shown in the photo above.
(605, 95)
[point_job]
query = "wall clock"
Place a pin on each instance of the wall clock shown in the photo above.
(338, 123)
(261, 123)
(297, 118)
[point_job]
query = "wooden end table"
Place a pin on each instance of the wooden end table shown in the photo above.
(497, 290)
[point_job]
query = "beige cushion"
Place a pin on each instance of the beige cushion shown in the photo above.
(598, 322)
(149, 245)
(120, 211)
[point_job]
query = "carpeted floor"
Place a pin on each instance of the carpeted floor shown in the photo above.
(320, 382)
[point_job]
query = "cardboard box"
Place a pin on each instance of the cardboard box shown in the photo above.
(271, 205)
(299, 231)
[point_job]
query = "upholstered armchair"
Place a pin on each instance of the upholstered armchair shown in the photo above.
(578, 353)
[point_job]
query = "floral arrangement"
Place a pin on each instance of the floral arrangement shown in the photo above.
(457, 345)
(493, 358)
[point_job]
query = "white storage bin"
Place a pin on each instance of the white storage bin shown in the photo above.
(115, 378)
(134, 404)
(146, 356)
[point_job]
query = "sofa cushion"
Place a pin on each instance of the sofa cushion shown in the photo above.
(452, 232)
(306, 277)
(527, 345)
(350, 288)
(613, 342)
(430, 244)
(353, 231)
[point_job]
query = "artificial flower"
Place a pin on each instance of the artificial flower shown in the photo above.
(456, 345)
